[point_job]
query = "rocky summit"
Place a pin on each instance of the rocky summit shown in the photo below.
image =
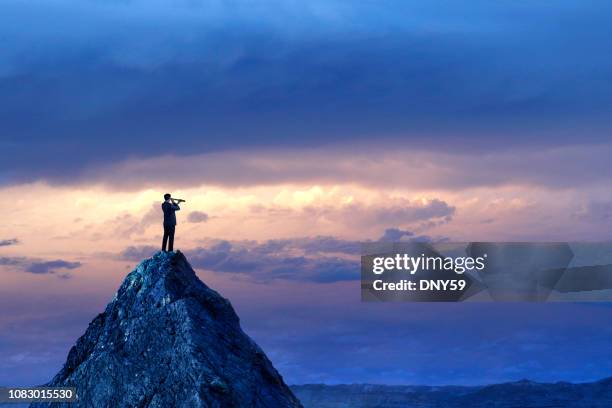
(168, 340)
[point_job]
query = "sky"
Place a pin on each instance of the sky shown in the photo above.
(296, 130)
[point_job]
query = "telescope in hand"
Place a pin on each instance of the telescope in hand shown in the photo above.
(178, 200)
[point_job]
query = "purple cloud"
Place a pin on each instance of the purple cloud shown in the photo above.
(8, 242)
(46, 267)
(321, 259)
(197, 217)
(41, 267)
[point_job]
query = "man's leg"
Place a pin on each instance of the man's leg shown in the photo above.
(165, 239)
(171, 234)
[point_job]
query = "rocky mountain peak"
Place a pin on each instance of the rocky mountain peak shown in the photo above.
(168, 340)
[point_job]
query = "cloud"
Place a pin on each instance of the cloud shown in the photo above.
(318, 259)
(345, 209)
(8, 242)
(595, 212)
(383, 166)
(259, 267)
(259, 264)
(326, 244)
(293, 75)
(128, 225)
(41, 267)
(321, 259)
(395, 235)
(151, 217)
(46, 267)
(138, 253)
(10, 261)
(393, 211)
(197, 217)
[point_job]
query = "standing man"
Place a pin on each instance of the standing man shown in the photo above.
(169, 207)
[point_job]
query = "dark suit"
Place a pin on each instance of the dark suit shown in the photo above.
(169, 224)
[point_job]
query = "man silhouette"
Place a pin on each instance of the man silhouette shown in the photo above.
(169, 207)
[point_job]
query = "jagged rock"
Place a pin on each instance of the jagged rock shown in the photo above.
(168, 340)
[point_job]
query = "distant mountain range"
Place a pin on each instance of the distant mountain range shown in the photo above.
(519, 394)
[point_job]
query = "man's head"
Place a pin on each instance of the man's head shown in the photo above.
(167, 196)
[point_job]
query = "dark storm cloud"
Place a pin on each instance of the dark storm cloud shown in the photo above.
(40, 267)
(91, 83)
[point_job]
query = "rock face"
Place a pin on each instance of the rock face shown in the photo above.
(167, 340)
(523, 394)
